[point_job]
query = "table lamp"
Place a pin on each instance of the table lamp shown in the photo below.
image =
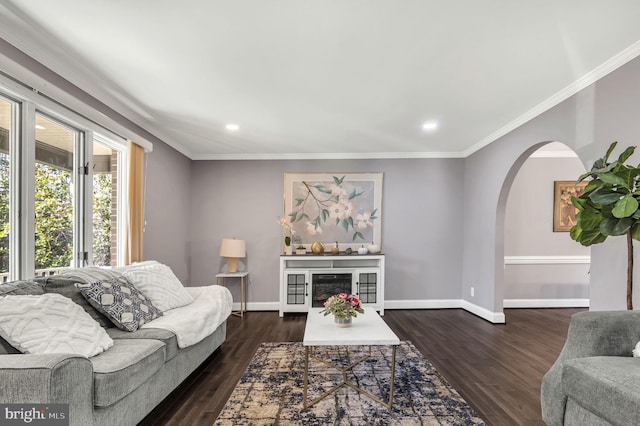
(233, 250)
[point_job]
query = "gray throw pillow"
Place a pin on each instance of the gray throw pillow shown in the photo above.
(17, 288)
(66, 286)
(118, 299)
(20, 288)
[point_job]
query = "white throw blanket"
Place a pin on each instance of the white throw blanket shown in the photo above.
(211, 306)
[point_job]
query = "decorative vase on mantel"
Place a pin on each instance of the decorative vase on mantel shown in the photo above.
(343, 322)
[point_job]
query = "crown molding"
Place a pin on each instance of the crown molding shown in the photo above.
(602, 70)
(329, 156)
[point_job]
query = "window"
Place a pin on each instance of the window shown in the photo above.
(61, 190)
(54, 194)
(105, 204)
(5, 173)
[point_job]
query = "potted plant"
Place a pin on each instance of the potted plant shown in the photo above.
(301, 250)
(609, 206)
(344, 307)
(288, 234)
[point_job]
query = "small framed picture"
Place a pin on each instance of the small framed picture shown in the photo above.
(564, 213)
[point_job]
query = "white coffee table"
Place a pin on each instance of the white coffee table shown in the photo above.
(368, 329)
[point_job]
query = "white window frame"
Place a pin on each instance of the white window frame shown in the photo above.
(25, 105)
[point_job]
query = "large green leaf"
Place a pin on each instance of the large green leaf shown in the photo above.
(589, 219)
(588, 238)
(578, 203)
(612, 226)
(629, 174)
(609, 151)
(575, 232)
(613, 179)
(600, 167)
(625, 207)
(626, 154)
(592, 185)
(605, 196)
(635, 231)
(584, 176)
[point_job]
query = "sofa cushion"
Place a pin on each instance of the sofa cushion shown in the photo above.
(118, 299)
(16, 288)
(50, 323)
(160, 284)
(66, 286)
(165, 336)
(606, 385)
(124, 367)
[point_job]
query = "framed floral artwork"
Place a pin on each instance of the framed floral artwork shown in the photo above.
(564, 213)
(330, 207)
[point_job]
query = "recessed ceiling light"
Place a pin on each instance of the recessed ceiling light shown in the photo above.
(39, 127)
(430, 125)
(232, 127)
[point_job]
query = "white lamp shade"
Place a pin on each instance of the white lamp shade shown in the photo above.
(231, 247)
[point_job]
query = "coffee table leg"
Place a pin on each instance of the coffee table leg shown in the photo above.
(393, 376)
(306, 376)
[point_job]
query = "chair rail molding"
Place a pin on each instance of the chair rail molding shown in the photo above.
(546, 260)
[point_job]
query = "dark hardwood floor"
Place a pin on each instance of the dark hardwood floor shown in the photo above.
(496, 368)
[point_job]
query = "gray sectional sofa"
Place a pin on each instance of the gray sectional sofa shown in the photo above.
(595, 380)
(117, 387)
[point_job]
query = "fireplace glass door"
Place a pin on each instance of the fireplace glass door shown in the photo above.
(326, 285)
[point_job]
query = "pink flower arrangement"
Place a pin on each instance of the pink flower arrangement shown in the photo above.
(343, 306)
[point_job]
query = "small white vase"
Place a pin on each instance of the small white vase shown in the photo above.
(343, 322)
(288, 250)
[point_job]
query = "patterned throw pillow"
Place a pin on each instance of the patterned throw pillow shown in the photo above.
(119, 300)
(160, 284)
(50, 323)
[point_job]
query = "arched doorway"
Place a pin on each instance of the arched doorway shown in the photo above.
(537, 266)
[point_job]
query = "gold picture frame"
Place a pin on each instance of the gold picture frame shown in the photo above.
(564, 213)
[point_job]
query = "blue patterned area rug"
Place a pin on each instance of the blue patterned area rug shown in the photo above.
(271, 390)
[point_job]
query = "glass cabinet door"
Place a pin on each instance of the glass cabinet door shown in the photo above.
(367, 286)
(296, 289)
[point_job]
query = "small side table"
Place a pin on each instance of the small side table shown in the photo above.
(220, 280)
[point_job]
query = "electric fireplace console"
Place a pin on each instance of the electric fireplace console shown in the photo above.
(307, 281)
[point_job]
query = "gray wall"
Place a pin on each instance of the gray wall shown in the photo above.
(421, 221)
(529, 234)
(588, 123)
(167, 209)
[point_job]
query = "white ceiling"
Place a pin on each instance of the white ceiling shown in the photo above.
(326, 79)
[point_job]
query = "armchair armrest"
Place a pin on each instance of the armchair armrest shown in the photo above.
(606, 333)
(51, 378)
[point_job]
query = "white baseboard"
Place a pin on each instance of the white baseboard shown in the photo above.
(492, 317)
(258, 306)
(423, 304)
(546, 303)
